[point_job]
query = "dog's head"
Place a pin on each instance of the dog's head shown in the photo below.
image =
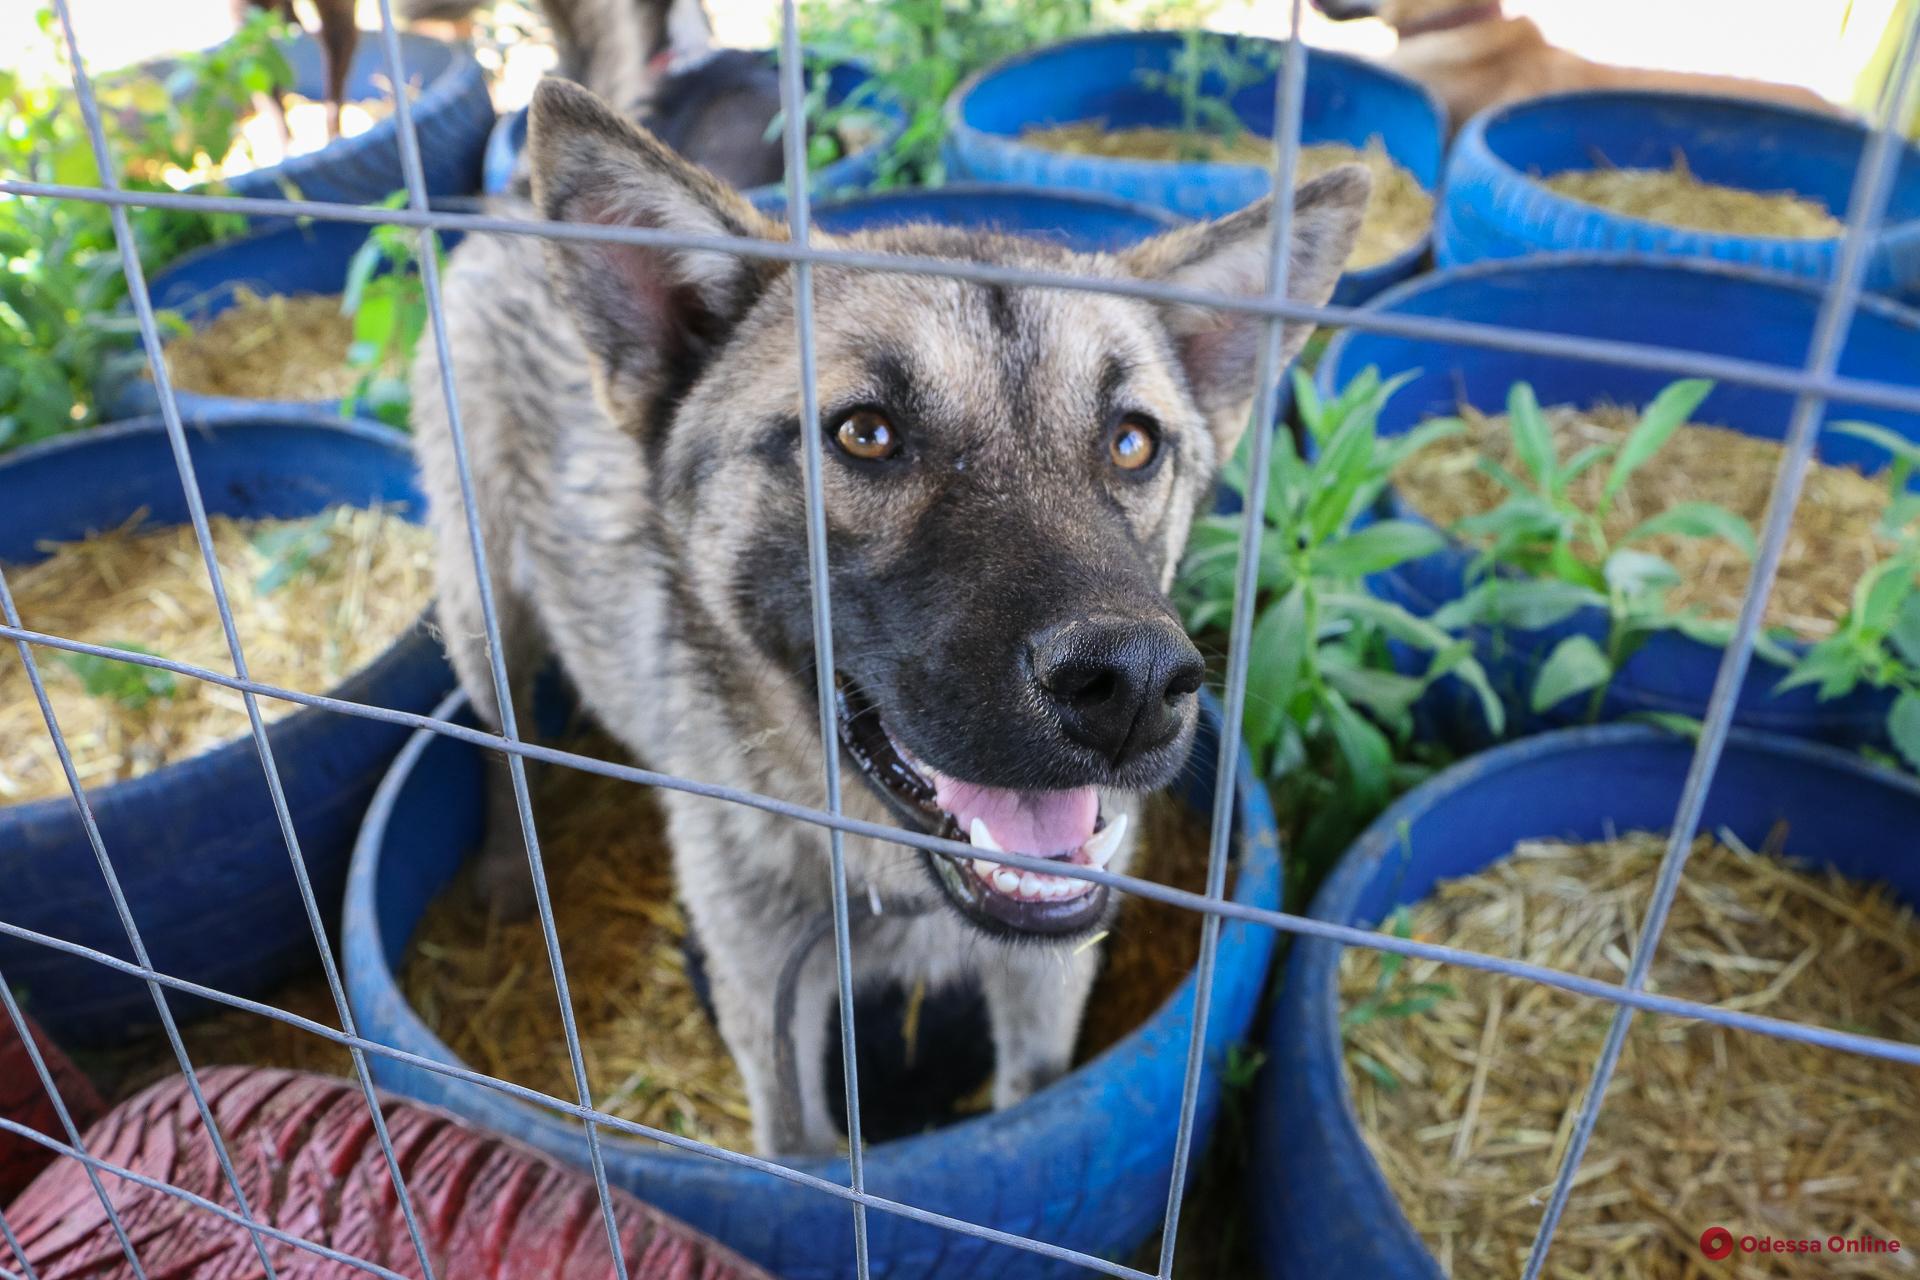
(1009, 476)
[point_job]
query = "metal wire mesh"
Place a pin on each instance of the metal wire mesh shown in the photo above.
(1814, 385)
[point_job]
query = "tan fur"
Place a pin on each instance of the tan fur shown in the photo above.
(1505, 59)
(616, 530)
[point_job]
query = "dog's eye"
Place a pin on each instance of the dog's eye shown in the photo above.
(1133, 442)
(864, 434)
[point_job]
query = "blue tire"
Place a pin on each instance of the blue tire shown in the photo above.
(1084, 1163)
(196, 845)
(1667, 302)
(1347, 100)
(452, 112)
(1084, 223)
(1321, 1205)
(290, 259)
(1495, 205)
(849, 82)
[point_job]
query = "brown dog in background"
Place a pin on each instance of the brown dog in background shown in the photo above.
(339, 36)
(1473, 56)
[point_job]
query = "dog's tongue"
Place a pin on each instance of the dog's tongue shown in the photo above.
(1032, 822)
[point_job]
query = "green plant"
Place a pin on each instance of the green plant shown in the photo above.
(290, 550)
(1544, 557)
(209, 94)
(63, 330)
(387, 299)
(1206, 72)
(1328, 716)
(836, 129)
(1390, 998)
(1877, 643)
(920, 50)
(127, 683)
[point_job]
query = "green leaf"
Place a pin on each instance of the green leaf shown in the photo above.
(373, 323)
(1696, 520)
(1834, 664)
(1529, 604)
(1903, 725)
(1878, 596)
(289, 550)
(1388, 616)
(1430, 432)
(1892, 441)
(127, 683)
(1365, 750)
(1532, 435)
(1521, 519)
(1658, 421)
(1279, 646)
(1387, 694)
(1579, 464)
(1575, 666)
(1459, 661)
(1671, 721)
(1636, 573)
(361, 268)
(1718, 633)
(1377, 547)
(1904, 635)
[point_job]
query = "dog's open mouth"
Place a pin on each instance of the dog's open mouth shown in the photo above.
(1065, 826)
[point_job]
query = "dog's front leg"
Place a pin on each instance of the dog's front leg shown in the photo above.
(1035, 999)
(781, 1051)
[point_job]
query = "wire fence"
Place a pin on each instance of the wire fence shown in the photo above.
(1813, 385)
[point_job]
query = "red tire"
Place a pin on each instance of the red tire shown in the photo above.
(306, 1154)
(24, 1100)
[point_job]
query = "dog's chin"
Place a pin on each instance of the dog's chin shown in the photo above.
(1064, 825)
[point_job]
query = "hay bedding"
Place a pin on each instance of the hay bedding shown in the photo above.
(1833, 540)
(269, 348)
(652, 1053)
(1674, 196)
(352, 582)
(1398, 214)
(1703, 1125)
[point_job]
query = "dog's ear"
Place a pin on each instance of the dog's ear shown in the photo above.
(643, 311)
(1220, 348)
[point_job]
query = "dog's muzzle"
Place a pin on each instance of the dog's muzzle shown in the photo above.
(1063, 826)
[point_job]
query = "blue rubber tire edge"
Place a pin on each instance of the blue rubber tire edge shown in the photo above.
(196, 843)
(1191, 190)
(1084, 1163)
(453, 116)
(1319, 1202)
(1491, 209)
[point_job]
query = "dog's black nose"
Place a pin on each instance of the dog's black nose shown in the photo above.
(1120, 685)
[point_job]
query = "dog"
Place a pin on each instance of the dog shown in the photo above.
(338, 37)
(1472, 56)
(1009, 477)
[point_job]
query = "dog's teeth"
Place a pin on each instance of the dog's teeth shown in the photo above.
(983, 838)
(1006, 880)
(1103, 844)
(1029, 885)
(984, 869)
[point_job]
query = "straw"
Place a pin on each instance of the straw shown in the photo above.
(1398, 214)
(1834, 538)
(1704, 1126)
(653, 1054)
(1674, 196)
(314, 600)
(287, 348)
